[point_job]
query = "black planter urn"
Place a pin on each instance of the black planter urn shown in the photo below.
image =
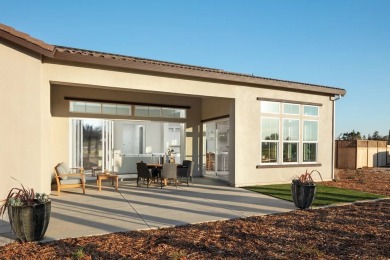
(303, 194)
(29, 223)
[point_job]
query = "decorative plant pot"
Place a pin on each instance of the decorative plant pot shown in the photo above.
(303, 194)
(29, 223)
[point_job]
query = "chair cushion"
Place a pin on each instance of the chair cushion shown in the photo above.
(63, 171)
(71, 181)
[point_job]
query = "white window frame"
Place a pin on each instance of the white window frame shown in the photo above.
(280, 143)
(318, 110)
(269, 102)
(291, 141)
(309, 142)
(270, 141)
(299, 109)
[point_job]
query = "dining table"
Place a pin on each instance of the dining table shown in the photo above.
(158, 167)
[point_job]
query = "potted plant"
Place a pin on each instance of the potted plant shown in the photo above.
(170, 155)
(28, 213)
(303, 190)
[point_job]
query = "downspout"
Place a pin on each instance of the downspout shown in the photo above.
(334, 99)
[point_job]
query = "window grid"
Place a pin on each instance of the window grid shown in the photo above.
(310, 141)
(297, 142)
(125, 110)
(290, 140)
(99, 108)
(270, 140)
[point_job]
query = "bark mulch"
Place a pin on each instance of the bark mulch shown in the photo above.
(372, 180)
(355, 231)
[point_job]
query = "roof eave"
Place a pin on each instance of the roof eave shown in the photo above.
(26, 41)
(208, 75)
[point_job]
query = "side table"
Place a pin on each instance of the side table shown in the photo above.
(104, 176)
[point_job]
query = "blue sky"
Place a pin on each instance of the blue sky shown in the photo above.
(343, 43)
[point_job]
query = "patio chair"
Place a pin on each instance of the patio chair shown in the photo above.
(143, 173)
(169, 172)
(69, 177)
(185, 172)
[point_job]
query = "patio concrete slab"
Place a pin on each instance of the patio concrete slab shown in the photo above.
(139, 208)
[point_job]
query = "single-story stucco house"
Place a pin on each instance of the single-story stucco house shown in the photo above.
(107, 111)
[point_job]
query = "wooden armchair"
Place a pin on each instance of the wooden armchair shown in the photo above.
(67, 178)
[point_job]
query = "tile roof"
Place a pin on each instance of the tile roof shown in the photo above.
(26, 37)
(174, 67)
(116, 60)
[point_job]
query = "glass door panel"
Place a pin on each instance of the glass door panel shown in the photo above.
(92, 144)
(217, 149)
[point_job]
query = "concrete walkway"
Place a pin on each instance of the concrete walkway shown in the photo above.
(136, 208)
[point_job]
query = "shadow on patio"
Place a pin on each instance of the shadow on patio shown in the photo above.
(136, 208)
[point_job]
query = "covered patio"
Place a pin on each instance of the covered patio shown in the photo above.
(139, 208)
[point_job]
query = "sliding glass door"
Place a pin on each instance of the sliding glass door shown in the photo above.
(92, 144)
(117, 145)
(217, 149)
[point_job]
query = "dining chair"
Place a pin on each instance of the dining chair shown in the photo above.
(185, 171)
(143, 172)
(169, 172)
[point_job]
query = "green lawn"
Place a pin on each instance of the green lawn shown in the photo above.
(325, 195)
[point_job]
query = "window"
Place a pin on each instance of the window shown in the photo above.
(289, 133)
(310, 141)
(160, 112)
(109, 109)
(292, 109)
(269, 140)
(141, 111)
(123, 110)
(310, 111)
(290, 140)
(99, 108)
(270, 107)
(77, 107)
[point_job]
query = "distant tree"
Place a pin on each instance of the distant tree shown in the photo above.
(369, 137)
(364, 137)
(350, 136)
(376, 136)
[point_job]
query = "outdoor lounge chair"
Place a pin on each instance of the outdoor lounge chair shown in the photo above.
(69, 177)
(169, 172)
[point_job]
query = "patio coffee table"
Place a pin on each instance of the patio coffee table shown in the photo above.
(107, 176)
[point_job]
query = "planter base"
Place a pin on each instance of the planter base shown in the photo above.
(29, 223)
(303, 194)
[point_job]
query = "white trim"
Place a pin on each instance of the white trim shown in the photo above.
(270, 141)
(265, 112)
(318, 110)
(299, 109)
(310, 142)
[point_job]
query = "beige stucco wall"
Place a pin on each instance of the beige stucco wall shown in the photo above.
(59, 142)
(21, 149)
(36, 123)
(215, 107)
(246, 110)
(247, 143)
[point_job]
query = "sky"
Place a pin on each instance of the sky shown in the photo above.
(336, 43)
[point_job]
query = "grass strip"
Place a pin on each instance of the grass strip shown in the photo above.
(325, 195)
